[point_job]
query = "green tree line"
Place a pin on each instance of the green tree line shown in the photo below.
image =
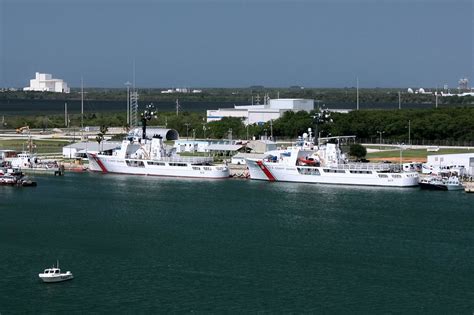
(427, 124)
(247, 95)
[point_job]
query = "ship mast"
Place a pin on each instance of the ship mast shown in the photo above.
(147, 115)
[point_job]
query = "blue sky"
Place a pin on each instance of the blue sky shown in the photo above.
(236, 43)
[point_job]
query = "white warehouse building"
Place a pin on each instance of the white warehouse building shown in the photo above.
(257, 114)
(462, 163)
(44, 82)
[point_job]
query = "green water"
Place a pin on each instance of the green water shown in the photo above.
(142, 244)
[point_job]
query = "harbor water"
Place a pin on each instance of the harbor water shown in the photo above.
(150, 244)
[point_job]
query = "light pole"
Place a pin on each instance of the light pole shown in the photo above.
(187, 130)
(401, 156)
(380, 143)
(409, 133)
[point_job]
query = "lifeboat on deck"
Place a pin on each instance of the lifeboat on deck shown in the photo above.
(309, 162)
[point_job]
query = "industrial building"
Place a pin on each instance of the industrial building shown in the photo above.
(44, 82)
(259, 114)
(79, 149)
(463, 164)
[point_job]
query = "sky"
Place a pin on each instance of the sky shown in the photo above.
(238, 43)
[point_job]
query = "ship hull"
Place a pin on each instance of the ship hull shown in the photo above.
(261, 170)
(112, 164)
(429, 186)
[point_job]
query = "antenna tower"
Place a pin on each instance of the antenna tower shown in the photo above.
(133, 102)
(178, 107)
(133, 109)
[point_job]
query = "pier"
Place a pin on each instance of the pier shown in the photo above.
(469, 187)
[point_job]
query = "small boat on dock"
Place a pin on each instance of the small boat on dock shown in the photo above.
(441, 183)
(30, 164)
(12, 177)
(54, 274)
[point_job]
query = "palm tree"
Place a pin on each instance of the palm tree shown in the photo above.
(101, 134)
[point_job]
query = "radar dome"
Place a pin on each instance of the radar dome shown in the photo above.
(410, 90)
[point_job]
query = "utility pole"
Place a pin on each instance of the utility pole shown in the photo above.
(82, 108)
(436, 97)
(65, 114)
(380, 143)
(401, 156)
(399, 100)
(409, 133)
(194, 138)
(357, 93)
(271, 129)
(82, 103)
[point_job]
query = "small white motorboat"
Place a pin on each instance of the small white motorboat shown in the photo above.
(54, 274)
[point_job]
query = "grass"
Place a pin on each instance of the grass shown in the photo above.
(414, 154)
(42, 146)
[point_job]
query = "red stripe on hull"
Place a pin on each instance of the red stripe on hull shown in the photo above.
(99, 162)
(266, 171)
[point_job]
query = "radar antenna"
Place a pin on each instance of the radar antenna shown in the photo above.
(147, 115)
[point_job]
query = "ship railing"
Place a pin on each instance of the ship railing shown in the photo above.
(186, 159)
(366, 167)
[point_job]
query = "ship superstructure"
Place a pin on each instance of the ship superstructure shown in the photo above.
(149, 156)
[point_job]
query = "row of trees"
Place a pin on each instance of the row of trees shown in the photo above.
(336, 96)
(397, 125)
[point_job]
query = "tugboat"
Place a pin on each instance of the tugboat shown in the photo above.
(54, 274)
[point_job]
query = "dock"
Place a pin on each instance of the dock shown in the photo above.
(468, 187)
(56, 171)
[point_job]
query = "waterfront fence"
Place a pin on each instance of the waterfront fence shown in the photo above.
(422, 142)
(414, 142)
